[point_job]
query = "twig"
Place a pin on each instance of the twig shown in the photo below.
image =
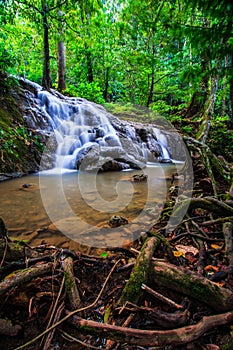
(195, 235)
(54, 308)
(71, 338)
(161, 297)
(72, 312)
(51, 334)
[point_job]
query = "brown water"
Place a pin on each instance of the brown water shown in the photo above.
(74, 208)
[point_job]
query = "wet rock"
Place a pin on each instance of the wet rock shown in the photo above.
(116, 221)
(139, 177)
(26, 185)
(97, 158)
(114, 165)
(166, 161)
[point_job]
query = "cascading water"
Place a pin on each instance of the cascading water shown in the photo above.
(162, 140)
(76, 126)
(84, 129)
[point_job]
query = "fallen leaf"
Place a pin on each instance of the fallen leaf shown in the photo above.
(211, 268)
(177, 254)
(216, 246)
(187, 249)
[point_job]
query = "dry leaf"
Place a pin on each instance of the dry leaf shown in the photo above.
(177, 254)
(211, 268)
(216, 246)
(187, 249)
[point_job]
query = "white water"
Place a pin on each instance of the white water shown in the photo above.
(78, 125)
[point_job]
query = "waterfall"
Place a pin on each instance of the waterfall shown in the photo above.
(76, 126)
(162, 140)
(81, 129)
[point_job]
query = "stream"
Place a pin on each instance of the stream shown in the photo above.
(70, 208)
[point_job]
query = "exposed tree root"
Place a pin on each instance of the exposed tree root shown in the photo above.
(139, 275)
(70, 283)
(24, 276)
(152, 337)
(192, 284)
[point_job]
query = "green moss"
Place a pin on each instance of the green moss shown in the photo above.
(20, 149)
(134, 113)
(68, 282)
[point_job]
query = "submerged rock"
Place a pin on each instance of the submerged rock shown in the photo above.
(116, 221)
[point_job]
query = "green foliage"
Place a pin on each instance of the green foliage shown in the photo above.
(221, 138)
(7, 56)
(90, 91)
(157, 54)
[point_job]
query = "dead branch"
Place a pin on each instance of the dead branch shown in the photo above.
(161, 297)
(141, 337)
(206, 203)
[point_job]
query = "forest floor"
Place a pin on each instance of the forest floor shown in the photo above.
(165, 291)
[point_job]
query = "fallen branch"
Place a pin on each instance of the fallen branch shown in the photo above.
(72, 312)
(159, 338)
(161, 297)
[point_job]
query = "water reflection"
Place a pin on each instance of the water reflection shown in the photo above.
(79, 205)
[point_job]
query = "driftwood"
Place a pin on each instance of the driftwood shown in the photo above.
(191, 284)
(141, 337)
(139, 275)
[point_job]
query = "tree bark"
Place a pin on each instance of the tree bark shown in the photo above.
(186, 282)
(61, 66)
(105, 94)
(133, 288)
(70, 283)
(24, 276)
(228, 231)
(46, 80)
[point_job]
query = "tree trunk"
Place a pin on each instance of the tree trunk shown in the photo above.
(46, 80)
(61, 66)
(105, 94)
(90, 76)
(152, 84)
(231, 99)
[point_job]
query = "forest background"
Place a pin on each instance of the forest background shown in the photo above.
(174, 57)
